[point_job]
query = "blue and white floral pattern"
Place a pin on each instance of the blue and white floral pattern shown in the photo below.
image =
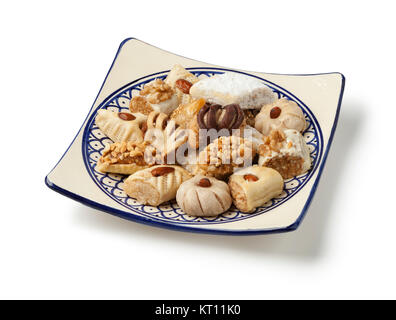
(94, 142)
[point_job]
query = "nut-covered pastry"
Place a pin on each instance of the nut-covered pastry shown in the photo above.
(181, 81)
(225, 154)
(155, 185)
(280, 115)
(204, 196)
(121, 126)
(155, 96)
(229, 88)
(123, 158)
(253, 186)
(164, 135)
(225, 121)
(184, 113)
(286, 152)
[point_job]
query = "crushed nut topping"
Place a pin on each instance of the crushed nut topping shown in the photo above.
(124, 153)
(157, 91)
(272, 142)
(140, 104)
(287, 165)
(224, 154)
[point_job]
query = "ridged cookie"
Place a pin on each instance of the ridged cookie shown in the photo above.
(204, 196)
(155, 185)
(121, 126)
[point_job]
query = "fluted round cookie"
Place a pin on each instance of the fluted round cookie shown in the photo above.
(280, 115)
(253, 186)
(204, 196)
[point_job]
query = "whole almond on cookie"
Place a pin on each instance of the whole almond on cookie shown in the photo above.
(161, 171)
(183, 85)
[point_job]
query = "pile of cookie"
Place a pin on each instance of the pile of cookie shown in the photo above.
(208, 143)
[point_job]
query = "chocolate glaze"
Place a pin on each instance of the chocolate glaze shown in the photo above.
(232, 117)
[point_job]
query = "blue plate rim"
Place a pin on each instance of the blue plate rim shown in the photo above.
(272, 85)
(166, 225)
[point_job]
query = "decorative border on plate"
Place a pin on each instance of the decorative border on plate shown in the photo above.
(120, 100)
(178, 227)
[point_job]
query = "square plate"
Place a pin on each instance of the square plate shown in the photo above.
(137, 63)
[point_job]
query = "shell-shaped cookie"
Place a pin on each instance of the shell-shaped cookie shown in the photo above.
(121, 126)
(204, 196)
(280, 115)
(155, 185)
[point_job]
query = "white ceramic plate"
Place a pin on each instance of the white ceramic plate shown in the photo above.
(137, 63)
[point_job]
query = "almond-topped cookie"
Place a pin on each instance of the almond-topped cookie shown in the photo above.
(286, 152)
(204, 196)
(181, 81)
(155, 185)
(253, 186)
(280, 115)
(121, 126)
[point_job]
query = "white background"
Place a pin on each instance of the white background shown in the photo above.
(54, 58)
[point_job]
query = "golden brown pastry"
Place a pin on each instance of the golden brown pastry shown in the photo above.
(121, 126)
(155, 96)
(252, 187)
(204, 196)
(286, 152)
(220, 158)
(155, 185)
(123, 158)
(280, 115)
(184, 113)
